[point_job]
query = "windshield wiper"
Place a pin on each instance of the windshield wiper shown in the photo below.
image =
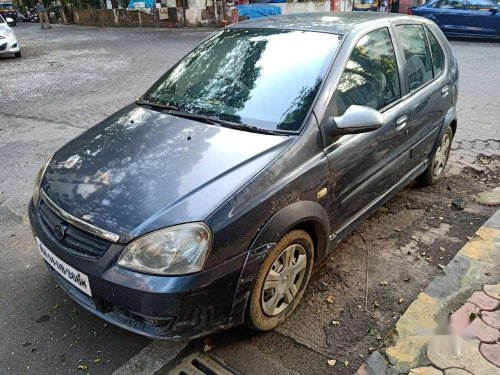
(174, 111)
(145, 103)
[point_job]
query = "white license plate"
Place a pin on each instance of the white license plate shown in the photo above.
(75, 277)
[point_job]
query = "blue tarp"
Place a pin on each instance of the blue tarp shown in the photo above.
(252, 11)
(147, 3)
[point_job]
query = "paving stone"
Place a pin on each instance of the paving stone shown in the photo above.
(492, 318)
(454, 352)
(492, 353)
(456, 371)
(484, 301)
(375, 365)
(492, 291)
(429, 370)
(482, 331)
(489, 198)
(461, 318)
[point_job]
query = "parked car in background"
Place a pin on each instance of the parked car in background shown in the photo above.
(32, 15)
(472, 18)
(365, 5)
(8, 40)
(7, 10)
(208, 201)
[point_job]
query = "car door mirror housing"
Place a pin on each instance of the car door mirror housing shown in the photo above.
(9, 20)
(494, 9)
(357, 119)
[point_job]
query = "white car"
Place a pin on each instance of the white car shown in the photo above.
(8, 40)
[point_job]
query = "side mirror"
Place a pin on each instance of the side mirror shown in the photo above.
(494, 10)
(9, 20)
(357, 119)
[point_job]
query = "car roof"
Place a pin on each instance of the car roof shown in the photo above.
(340, 23)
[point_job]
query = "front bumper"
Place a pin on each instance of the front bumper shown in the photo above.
(9, 45)
(167, 307)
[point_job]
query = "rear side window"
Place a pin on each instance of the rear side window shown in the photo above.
(436, 52)
(418, 59)
(371, 75)
(451, 4)
(481, 5)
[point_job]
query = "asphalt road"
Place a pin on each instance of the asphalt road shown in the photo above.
(69, 78)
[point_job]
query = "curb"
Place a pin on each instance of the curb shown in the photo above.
(476, 264)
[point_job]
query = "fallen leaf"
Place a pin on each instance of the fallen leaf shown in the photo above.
(83, 367)
(335, 323)
(376, 305)
(330, 299)
(332, 362)
(207, 348)
(400, 300)
(346, 363)
(384, 283)
(441, 266)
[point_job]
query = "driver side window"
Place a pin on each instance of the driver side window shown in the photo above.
(370, 77)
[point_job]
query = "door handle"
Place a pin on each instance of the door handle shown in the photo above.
(444, 91)
(401, 122)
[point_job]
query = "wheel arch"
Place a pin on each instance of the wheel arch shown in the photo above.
(306, 215)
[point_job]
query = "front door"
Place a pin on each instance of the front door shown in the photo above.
(364, 166)
(482, 22)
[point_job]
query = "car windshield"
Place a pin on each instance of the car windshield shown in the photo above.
(266, 79)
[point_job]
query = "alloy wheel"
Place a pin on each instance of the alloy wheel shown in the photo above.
(283, 280)
(441, 156)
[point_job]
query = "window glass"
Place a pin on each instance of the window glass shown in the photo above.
(257, 77)
(482, 5)
(371, 75)
(436, 52)
(451, 4)
(418, 59)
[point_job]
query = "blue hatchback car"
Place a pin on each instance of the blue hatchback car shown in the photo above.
(471, 18)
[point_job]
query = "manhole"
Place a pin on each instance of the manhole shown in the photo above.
(200, 364)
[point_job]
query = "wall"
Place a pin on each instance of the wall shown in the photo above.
(306, 7)
(114, 17)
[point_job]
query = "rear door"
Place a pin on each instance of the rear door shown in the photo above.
(365, 166)
(452, 16)
(428, 95)
(482, 22)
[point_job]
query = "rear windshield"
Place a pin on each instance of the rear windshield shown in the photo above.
(263, 78)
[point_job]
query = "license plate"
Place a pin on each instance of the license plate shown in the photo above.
(75, 277)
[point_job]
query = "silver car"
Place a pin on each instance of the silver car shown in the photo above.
(8, 40)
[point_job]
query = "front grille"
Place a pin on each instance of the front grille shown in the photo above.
(76, 240)
(3, 47)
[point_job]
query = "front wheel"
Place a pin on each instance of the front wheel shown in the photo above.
(17, 54)
(281, 281)
(437, 165)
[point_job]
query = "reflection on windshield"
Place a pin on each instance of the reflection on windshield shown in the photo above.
(264, 78)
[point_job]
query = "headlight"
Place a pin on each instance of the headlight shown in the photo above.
(38, 179)
(176, 250)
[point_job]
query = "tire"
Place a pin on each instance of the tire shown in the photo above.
(437, 165)
(17, 54)
(261, 313)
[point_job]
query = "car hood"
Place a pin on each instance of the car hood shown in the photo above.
(140, 170)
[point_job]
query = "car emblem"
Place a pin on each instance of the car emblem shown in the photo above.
(60, 231)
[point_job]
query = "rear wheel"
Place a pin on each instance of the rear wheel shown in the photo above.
(281, 281)
(437, 165)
